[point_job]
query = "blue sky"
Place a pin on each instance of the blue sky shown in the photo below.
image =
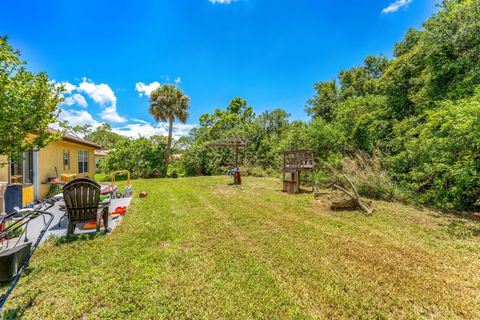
(112, 53)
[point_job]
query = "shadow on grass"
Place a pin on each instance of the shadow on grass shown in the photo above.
(17, 313)
(77, 237)
(461, 229)
(300, 191)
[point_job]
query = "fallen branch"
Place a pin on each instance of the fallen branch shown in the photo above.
(348, 204)
(355, 196)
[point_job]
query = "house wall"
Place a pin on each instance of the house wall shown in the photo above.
(3, 169)
(52, 156)
(27, 190)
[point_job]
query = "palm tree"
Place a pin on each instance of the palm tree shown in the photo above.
(168, 103)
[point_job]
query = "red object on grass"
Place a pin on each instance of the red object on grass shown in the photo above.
(143, 194)
(238, 179)
(120, 210)
(92, 225)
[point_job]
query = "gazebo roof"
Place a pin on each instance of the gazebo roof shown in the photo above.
(233, 142)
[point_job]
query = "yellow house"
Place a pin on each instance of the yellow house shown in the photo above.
(69, 156)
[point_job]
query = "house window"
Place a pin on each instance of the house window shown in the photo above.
(28, 167)
(82, 161)
(66, 159)
(21, 170)
(16, 171)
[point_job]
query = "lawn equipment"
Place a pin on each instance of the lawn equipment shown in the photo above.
(15, 254)
(112, 189)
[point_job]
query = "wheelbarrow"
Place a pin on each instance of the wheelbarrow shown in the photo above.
(15, 253)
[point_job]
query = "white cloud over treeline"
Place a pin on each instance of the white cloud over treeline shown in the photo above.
(395, 6)
(101, 94)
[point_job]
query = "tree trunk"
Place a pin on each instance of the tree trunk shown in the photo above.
(169, 145)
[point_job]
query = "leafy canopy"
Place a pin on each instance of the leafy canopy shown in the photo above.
(168, 103)
(28, 104)
(104, 136)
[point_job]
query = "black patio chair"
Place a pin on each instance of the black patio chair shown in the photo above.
(82, 201)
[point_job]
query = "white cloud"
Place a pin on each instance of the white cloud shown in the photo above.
(79, 118)
(146, 89)
(146, 129)
(111, 114)
(66, 85)
(178, 80)
(138, 120)
(393, 7)
(221, 1)
(105, 97)
(100, 93)
(75, 99)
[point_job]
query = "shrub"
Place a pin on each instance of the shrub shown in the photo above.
(54, 190)
(175, 169)
(437, 156)
(142, 157)
(103, 177)
(369, 177)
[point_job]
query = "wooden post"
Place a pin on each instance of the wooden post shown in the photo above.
(236, 157)
(297, 189)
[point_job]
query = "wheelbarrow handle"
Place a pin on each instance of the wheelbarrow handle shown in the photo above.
(13, 283)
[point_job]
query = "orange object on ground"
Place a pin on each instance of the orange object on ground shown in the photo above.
(120, 210)
(92, 225)
(143, 194)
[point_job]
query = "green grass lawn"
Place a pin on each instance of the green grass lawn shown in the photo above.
(200, 248)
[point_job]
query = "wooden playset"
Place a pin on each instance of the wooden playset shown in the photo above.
(294, 163)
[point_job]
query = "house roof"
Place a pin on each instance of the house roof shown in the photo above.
(75, 139)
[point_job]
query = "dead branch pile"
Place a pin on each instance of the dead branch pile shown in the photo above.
(353, 203)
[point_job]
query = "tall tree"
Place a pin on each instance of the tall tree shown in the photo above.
(28, 104)
(325, 100)
(104, 136)
(82, 130)
(168, 103)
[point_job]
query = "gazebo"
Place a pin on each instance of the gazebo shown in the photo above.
(234, 143)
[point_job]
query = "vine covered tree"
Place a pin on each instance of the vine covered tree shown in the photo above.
(168, 103)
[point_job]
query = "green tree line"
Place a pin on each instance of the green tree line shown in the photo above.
(419, 110)
(408, 125)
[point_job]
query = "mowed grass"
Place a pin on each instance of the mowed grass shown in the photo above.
(200, 248)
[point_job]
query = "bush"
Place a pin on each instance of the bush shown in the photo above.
(175, 169)
(438, 156)
(103, 177)
(142, 157)
(258, 172)
(369, 177)
(253, 171)
(54, 190)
